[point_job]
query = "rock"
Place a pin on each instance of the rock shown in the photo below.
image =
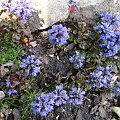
(48, 12)
(3, 69)
(6, 112)
(90, 8)
(16, 114)
(79, 115)
(102, 112)
(2, 95)
(1, 116)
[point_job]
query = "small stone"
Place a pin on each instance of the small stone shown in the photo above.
(69, 29)
(1, 116)
(16, 114)
(52, 55)
(33, 43)
(70, 46)
(102, 112)
(58, 58)
(75, 32)
(2, 95)
(57, 117)
(7, 64)
(2, 71)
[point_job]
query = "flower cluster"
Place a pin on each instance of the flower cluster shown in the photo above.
(4, 4)
(76, 96)
(31, 65)
(109, 34)
(60, 95)
(8, 83)
(42, 104)
(11, 90)
(77, 59)
(57, 35)
(21, 8)
(102, 77)
(46, 102)
(116, 89)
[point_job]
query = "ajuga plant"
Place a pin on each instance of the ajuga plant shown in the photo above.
(31, 65)
(101, 78)
(46, 102)
(21, 8)
(109, 31)
(77, 59)
(58, 35)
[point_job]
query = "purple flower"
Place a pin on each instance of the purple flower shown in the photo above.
(116, 89)
(77, 59)
(60, 95)
(23, 65)
(38, 62)
(22, 8)
(76, 96)
(109, 34)
(11, 91)
(45, 103)
(8, 84)
(27, 72)
(58, 35)
(102, 77)
(4, 4)
(35, 70)
(42, 105)
(31, 65)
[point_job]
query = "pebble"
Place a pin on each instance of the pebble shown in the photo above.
(2, 95)
(16, 114)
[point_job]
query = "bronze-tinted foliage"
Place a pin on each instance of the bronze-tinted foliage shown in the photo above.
(15, 79)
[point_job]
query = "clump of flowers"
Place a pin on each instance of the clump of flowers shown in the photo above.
(77, 59)
(57, 35)
(60, 95)
(109, 34)
(21, 8)
(46, 102)
(116, 89)
(102, 77)
(8, 83)
(76, 96)
(11, 91)
(31, 65)
(43, 104)
(4, 4)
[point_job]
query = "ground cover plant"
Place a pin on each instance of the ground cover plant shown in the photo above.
(75, 70)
